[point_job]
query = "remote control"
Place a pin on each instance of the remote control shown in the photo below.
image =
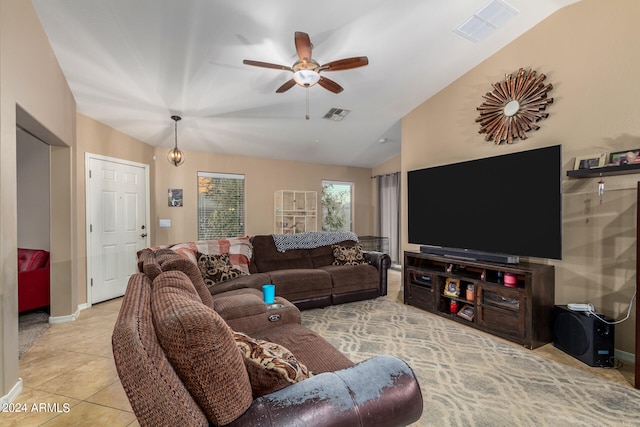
(580, 307)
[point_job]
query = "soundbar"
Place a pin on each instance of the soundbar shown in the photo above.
(470, 254)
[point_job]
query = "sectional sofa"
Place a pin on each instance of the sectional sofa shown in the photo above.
(189, 358)
(311, 270)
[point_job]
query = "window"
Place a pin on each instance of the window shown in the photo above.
(220, 205)
(336, 205)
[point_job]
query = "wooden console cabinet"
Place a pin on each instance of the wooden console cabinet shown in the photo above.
(521, 312)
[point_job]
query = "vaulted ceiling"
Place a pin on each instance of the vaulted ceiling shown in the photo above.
(134, 64)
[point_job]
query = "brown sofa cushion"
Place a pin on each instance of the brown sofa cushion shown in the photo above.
(216, 268)
(348, 278)
(147, 376)
(193, 273)
(314, 351)
(299, 284)
(345, 255)
(271, 367)
(151, 267)
(201, 348)
(267, 258)
(254, 281)
(239, 303)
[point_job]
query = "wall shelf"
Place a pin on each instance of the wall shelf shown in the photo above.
(604, 171)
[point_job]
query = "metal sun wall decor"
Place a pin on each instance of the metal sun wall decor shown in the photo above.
(514, 106)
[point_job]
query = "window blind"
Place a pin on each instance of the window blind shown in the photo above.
(220, 205)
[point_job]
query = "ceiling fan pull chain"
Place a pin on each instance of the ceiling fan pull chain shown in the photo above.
(307, 116)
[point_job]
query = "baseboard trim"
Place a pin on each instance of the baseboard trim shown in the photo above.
(13, 394)
(624, 356)
(64, 319)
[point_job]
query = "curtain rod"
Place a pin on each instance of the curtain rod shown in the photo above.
(386, 174)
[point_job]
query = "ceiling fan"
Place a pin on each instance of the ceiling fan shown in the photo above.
(306, 70)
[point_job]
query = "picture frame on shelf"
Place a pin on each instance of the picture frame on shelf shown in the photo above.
(467, 312)
(452, 287)
(626, 157)
(591, 161)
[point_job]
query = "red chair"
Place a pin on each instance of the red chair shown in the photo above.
(33, 279)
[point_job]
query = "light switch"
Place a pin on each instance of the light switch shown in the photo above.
(165, 223)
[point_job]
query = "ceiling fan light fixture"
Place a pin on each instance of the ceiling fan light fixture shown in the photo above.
(175, 156)
(306, 78)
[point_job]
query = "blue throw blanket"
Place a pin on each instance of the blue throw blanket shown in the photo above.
(311, 239)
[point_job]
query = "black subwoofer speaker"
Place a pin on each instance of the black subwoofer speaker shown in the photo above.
(584, 336)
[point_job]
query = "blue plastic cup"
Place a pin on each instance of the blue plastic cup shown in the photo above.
(269, 293)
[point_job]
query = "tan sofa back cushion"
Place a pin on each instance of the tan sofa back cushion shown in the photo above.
(201, 348)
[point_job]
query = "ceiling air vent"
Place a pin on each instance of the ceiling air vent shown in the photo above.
(493, 15)
(336, 114)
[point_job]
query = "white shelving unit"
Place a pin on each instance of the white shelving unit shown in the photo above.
(295, 211)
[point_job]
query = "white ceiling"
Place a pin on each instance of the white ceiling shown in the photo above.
(131, 64)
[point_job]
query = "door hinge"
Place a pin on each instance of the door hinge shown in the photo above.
(92, 281)
(90, 228)
(89, 173)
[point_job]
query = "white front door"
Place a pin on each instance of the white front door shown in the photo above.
(117, 205)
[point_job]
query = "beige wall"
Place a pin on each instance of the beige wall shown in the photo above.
(589, 53)
(30, 78)
(94, 137)
(32, 192)
(263, 177)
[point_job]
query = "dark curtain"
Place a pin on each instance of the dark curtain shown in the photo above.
(388, 218)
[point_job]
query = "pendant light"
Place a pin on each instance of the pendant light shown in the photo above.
(175, 156)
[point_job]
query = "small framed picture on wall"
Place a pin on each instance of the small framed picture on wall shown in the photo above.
(175, 197)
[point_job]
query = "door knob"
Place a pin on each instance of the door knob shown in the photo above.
(143, 235)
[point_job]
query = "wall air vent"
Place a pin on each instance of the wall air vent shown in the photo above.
(493, 15)
(336, 114)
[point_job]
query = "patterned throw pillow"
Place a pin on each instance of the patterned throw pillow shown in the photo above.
(345, 255)
(216, 268)
(270, 366)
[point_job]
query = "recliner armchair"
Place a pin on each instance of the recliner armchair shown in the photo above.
(33, 279)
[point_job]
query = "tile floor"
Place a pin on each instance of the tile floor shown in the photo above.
(72, 366)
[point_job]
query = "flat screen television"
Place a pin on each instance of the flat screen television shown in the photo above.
(509, 204)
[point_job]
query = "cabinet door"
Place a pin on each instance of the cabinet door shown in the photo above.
(501, 309)
(419, 289)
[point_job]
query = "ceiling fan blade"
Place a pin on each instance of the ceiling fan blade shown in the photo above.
(330, 85)
(286, 86)
(345, 64)
(303, 45)
(266, 65)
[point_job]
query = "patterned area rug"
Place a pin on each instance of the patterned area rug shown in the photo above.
(31, 326)
(472, 379)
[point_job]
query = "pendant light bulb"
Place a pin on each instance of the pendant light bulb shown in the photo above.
(175, 156)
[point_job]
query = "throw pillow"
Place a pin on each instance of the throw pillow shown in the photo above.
(270, 366)
(216, 268)
(345, 255)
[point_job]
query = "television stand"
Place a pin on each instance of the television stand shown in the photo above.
(511, 301)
